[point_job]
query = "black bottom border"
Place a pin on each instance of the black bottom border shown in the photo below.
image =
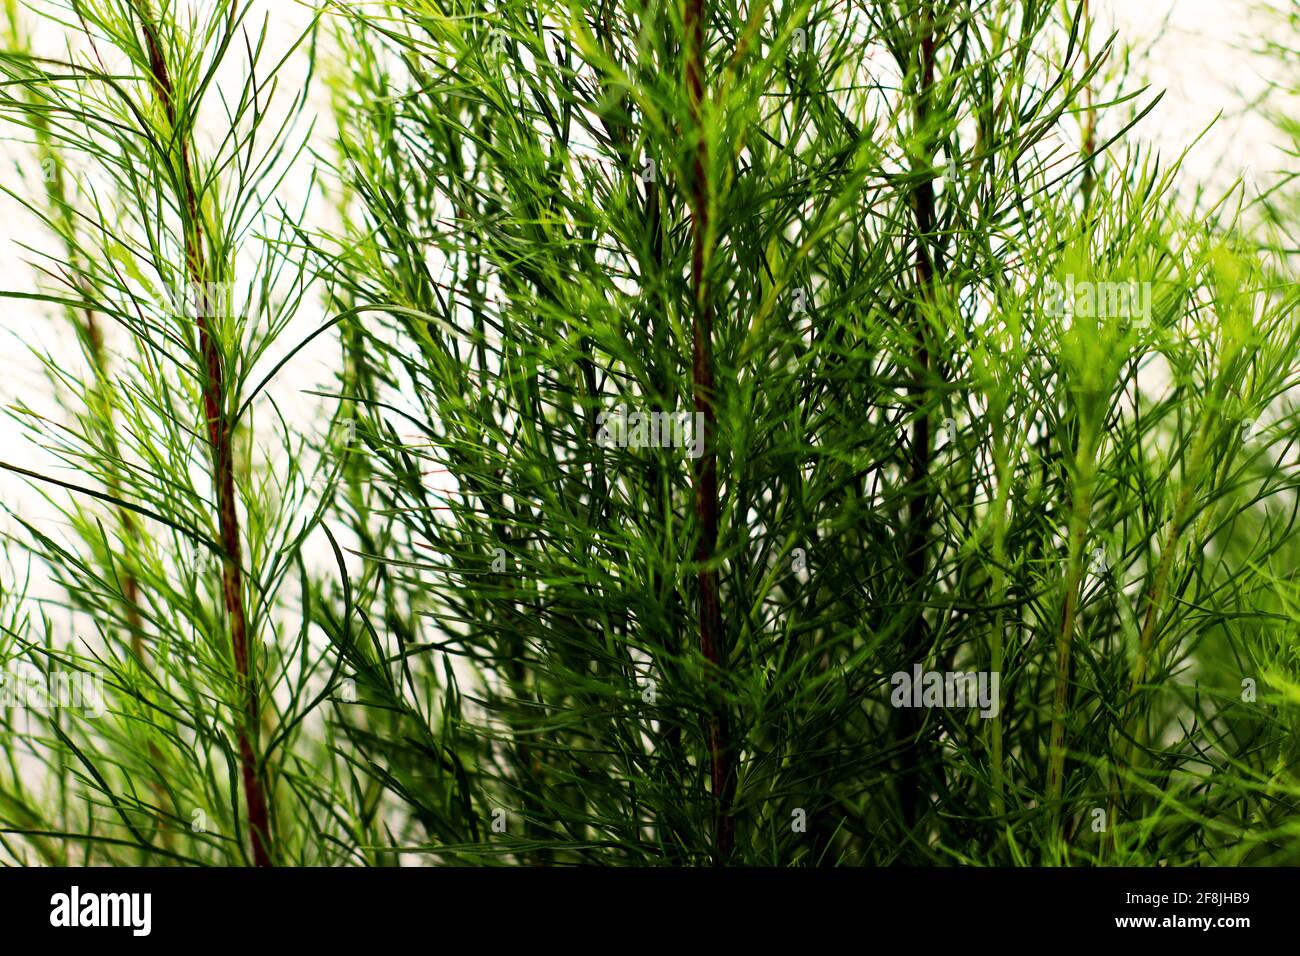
(502, 906)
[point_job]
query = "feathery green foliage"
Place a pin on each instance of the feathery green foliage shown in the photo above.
(702, 370)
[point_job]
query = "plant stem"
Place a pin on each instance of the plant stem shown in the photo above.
(712, 637)
(223, 472)
(999, 583)
(1089, 143)
(918, 516)
(1080, 515)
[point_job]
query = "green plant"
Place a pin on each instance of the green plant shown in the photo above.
(936, 370)
(177, 285)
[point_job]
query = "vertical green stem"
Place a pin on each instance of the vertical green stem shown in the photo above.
(1080, 516)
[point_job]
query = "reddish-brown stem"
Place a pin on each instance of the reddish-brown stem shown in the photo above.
(223, 472)
(1089, 144)
(712, 636)
(918, 512)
